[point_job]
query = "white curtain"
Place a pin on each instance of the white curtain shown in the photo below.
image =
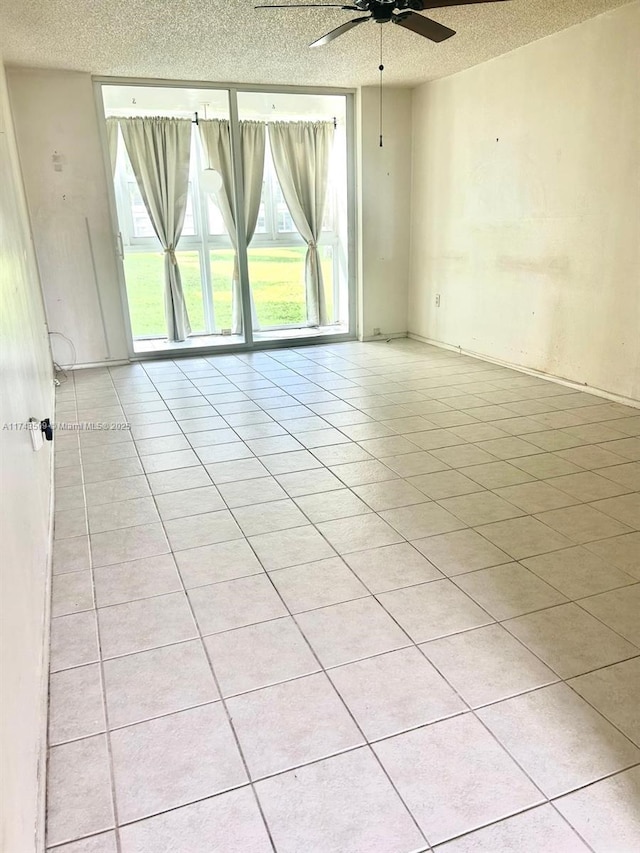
(112, 141)
(301, 152)
(159, 151)
(216, 139)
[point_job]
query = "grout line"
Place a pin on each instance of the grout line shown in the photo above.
(291, 615)
(345, 663)
(107, 736)
(214, 677)
(323, 669)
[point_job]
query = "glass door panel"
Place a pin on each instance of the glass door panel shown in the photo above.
(144, 275)
(194, 296)
(277, 284)
(204, 253)
(221, 264)
(277, 252)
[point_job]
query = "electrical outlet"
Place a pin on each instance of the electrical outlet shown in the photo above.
(376, 331)
(437, 300)
(40, 430)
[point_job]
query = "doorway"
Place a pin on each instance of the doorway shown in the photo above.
(184, 160)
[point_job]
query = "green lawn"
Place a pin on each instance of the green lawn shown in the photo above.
(277, 281)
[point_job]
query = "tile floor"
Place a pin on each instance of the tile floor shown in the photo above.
(356, 598)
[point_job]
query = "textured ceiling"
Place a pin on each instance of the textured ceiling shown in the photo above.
(232, 42)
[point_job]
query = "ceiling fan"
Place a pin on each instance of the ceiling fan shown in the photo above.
(404, 13)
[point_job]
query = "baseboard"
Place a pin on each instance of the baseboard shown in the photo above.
(386, 336)
(115, 363)
(569, 383)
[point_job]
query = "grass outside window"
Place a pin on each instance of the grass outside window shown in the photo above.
(277, 281)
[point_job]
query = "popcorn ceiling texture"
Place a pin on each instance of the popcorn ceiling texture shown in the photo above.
(231, 42)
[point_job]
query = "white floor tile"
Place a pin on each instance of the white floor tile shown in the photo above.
(156, 682)
(78, 790)
(170, 761)
(530, 832)
(342, 803)
(392, 692)
(234, 603)
(290, 724)
(233, 816)
(560, 740)
(606, 810)
(330, 508)
(476, 783)
(259, 655)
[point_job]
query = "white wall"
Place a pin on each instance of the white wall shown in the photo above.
(55, 116)
(26, 390)
(526, 206)
(384, 210)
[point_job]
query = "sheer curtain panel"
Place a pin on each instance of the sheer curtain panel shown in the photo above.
(216, 140)
(112, 142)
(159, 151)
(301, 152)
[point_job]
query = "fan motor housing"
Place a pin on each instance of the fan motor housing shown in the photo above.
(382, 12)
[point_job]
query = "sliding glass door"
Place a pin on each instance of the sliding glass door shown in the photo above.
(283, 297)
(281, 271)
(144, 258)
(204, 252)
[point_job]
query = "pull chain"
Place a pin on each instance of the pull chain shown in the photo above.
(381, 69)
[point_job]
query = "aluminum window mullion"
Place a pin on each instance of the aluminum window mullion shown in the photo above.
(352, 213)
(336, 281)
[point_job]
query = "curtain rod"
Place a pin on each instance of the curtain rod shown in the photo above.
(196, 120)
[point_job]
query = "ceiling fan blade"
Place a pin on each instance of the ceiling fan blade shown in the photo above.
(308, 6)
(440, 4)
(343, 28)
(423, 26)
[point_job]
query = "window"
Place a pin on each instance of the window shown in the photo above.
(214, 217)
(261, 224)
(276, 254)
(142, 226)
(275, 221)
(284, 222)
(189, 226)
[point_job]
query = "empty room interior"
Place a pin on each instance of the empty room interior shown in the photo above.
(320, 399)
